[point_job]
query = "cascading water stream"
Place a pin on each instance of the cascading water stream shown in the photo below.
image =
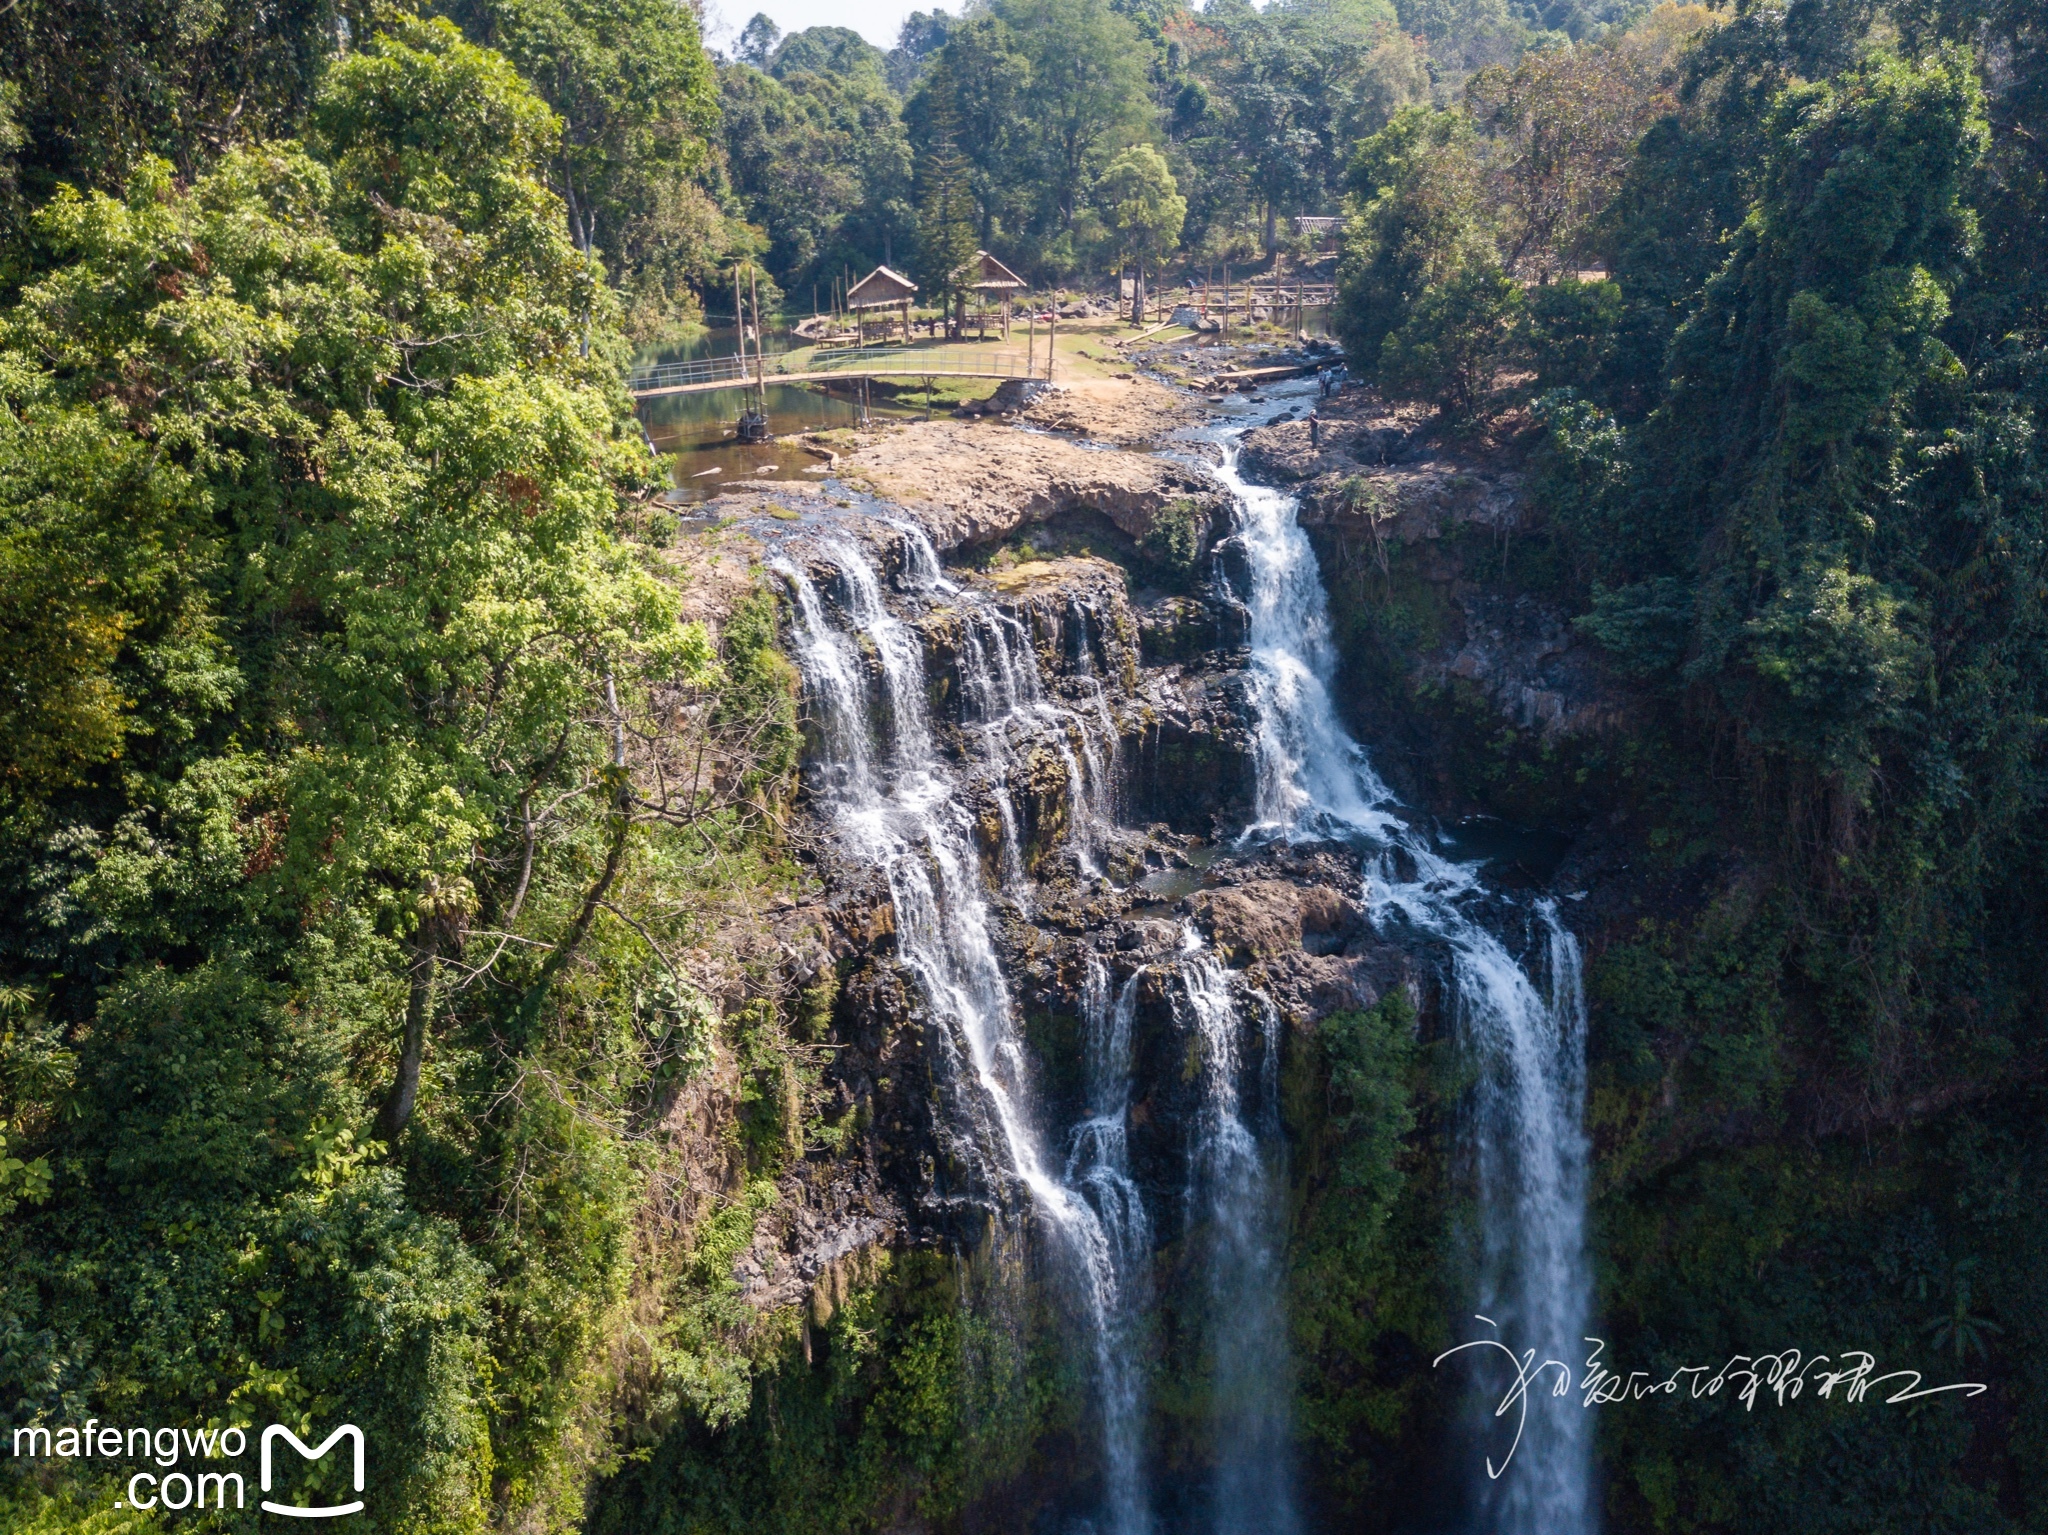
(899, 806)
(1529, 1049)
(1006, 696)
(895, 805)
(1236, 1194)
(1098, 1166)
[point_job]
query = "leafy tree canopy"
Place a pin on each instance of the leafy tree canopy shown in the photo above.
(312, 492)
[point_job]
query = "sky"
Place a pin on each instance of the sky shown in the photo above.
(875, 20)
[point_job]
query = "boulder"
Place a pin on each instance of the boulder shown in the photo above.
(1267, 919)
(1018, 393)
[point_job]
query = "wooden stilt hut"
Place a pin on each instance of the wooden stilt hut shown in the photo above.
(995, 280)
(881, 289)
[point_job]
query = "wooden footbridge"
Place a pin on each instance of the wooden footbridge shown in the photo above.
(809, 365)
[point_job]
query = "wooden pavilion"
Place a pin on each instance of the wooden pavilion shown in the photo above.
(883, 288)
(996, 281)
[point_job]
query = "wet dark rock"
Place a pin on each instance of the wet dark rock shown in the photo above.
(1187, 628)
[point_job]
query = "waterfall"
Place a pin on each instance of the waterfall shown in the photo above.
(1006, 697)
(1527, 1044)
(895, 804)
(1098, 1166)
(1236, 1194)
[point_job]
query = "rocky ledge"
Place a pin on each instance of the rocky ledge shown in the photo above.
(973, 484)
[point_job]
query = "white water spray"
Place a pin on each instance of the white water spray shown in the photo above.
(1098, 1166)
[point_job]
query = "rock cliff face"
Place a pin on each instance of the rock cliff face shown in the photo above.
(1157, 680)
(1417, 545)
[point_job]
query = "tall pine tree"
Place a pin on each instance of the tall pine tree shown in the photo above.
(945, 212)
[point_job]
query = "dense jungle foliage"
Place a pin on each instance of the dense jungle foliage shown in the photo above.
(1770, 306)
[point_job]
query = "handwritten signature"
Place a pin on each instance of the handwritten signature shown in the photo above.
(1783, 1376)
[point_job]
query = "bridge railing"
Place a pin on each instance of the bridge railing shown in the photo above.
(909, 359)
(852, 361)
(698, 370)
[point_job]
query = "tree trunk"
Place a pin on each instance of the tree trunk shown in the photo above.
(614, 860)
(419, 1007)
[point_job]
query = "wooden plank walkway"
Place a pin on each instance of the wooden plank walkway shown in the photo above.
(1269, 375)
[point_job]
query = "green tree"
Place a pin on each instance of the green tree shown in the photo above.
(93, 89)
(1038, 94)
(1560, 127)
(823, 166)
(355, 679)
(638, 108)
(976, 79)
(1830, 309)
(1419, 253)
(1085, 96)
(757, 40)
(1270, 101)
(1142, 209)
(946, 267)
(1453, 336)
(921, 36)
(827, 51)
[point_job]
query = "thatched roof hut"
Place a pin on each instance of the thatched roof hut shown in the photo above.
(883, 288)
(995, 277)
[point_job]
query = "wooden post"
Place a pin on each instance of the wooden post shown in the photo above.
(739, 335)
(760, 366)
(1052, 335)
